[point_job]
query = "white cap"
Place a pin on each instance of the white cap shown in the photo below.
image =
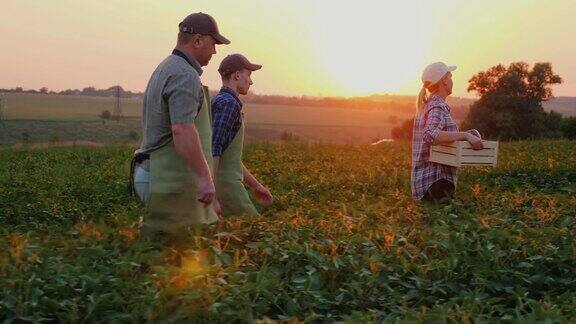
(434, 72)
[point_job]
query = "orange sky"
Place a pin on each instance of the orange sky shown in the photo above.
(325, 47)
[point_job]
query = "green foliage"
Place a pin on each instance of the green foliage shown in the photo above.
(344, 241)
(569, 127)
(510, 104)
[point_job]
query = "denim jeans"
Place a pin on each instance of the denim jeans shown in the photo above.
(142, 181)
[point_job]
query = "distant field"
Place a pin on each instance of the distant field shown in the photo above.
(324, 124)
(564, 105)
(60, 107)
(49, 117)
(59, 117)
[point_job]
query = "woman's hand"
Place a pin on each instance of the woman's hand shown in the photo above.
(475, 141)
(474, 132)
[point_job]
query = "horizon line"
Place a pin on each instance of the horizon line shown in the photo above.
(472, 97)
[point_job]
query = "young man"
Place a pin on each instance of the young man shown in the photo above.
(172, 174)
(228, 140)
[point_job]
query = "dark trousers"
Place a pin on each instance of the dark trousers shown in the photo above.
(440, 191)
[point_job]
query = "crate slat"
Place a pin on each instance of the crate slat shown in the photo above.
(468, 160)
(444, 158)
(443, 149)
(486, 144)
(483, 152)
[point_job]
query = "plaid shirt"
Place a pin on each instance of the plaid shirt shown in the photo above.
(226, 119)
(433, 118)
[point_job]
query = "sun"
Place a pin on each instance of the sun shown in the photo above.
(372, 49)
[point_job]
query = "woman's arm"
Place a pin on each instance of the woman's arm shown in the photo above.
(447, 137)
(433, 133)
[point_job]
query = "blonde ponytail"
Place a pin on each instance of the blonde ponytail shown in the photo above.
(422, 99)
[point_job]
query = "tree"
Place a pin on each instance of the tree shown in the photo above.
(510, 104)
(111, 91)
(569, 127)
(89, 91)
(553, 125)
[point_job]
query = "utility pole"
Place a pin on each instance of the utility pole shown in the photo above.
(117, 106)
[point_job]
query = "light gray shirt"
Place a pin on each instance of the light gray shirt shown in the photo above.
(173, 96)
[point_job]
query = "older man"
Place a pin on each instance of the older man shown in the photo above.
(228, 140)
(172, 173)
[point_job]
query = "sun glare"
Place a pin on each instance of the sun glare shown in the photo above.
(373, 49)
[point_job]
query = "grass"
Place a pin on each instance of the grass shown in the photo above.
(42, 131)
(344, 241)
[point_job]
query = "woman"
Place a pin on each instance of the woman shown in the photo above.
(433, 124)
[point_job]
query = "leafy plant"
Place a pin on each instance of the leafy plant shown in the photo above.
(343, 242)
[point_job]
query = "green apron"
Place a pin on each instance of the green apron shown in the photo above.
(174, 205)
(230, 189)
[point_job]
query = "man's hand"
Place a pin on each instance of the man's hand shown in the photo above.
(263, 195)
(206, 189)
(475, 141)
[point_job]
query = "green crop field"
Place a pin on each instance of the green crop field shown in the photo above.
(344, 241)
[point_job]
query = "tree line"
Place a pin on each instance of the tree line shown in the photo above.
(87, 91)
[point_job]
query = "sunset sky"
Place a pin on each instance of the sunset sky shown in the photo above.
(329, 48)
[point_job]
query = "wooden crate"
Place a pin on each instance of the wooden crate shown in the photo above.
(460, 153)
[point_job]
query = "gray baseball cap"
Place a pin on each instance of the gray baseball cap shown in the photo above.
(203, 24)
(236, 62)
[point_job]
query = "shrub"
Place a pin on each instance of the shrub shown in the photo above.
(404, 131)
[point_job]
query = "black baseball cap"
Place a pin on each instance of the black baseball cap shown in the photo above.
(203, 24)
(236, 62)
